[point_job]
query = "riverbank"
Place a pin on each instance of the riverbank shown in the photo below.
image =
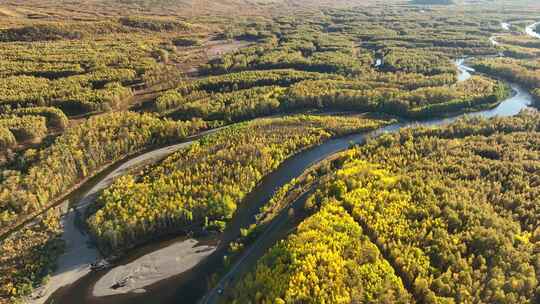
(153, 267)
(511, 106)
(156, 270)
(195, 277)
(79, 252)
(148, 271)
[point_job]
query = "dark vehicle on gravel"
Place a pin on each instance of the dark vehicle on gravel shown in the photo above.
(100, 265)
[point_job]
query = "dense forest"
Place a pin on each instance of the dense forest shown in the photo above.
(204, 184)
(430, 215)
(327, 260)
(453, 210)
(515, 70)
(29, 258)
(40, 176)
(415, 80)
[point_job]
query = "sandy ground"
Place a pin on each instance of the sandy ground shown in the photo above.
(74, 263)
(153, 267)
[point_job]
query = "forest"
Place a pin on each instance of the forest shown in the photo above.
(412, 82)
(453, 212)
(515, 70)
(39, 176)
(328, 244)
(203, 185)
(443, 214)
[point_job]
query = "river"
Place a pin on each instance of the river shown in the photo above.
(464, 71)
(162, 275)
(73, 263)
(520, 100)
(505, 26)
(531, 30)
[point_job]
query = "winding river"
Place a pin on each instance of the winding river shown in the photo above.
(519, 101)
(531, 30)
(176, 270)
(511, 106)
(464, 71)
(73, 263)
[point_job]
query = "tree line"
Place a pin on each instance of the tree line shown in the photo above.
(79, 153)
(245, 98)
(203, 185)
(29, 124)
(453, 212)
